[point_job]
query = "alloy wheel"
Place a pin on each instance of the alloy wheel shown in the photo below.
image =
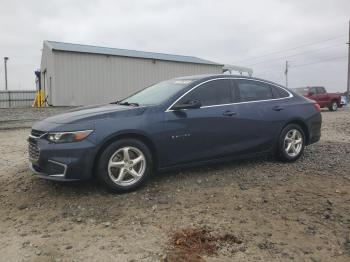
(126, 166)
(334, 106)
(293, 142)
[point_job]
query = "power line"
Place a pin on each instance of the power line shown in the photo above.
(294, 55)
(271, 70)
(290, 49)
(301, 65)
(322, 61)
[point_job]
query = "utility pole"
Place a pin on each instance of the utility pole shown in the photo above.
(286, 73)
(5, 61)
(348, 86)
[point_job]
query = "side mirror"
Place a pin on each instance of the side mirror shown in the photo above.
(310, 93)
(191, 104)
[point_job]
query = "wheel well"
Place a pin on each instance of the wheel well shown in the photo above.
(304, 127)
(139, 137)
(335, 100)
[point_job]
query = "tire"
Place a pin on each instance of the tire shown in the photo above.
(333, 107)
(117, 172)
(283, 143)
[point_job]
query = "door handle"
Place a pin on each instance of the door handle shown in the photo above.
(229, 113)
(277, 108)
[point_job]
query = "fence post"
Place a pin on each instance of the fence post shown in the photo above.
(9, 98)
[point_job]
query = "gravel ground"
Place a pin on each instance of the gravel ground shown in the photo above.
(253, 210)
(24, 117)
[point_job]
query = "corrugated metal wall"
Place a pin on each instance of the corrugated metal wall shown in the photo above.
(47, 72)
(85, 79)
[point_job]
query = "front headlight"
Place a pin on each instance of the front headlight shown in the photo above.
(68, 137)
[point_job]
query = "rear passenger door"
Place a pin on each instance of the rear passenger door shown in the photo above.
(261, 110)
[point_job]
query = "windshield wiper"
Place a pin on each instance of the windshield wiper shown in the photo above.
(126, 103)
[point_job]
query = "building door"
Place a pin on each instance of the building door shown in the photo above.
(49, 95)
(43, 86)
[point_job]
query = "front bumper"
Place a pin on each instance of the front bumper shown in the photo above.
(61, 162)
(54, 177)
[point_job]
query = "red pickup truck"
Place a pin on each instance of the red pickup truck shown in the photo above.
(320, 95)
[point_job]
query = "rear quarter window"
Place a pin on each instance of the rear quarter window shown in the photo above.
(279, 92)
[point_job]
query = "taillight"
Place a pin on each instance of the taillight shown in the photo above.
(317, 107)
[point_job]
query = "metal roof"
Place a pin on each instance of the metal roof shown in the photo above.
(60, 46)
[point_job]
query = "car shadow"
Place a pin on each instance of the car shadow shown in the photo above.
(238, 170)
(92, 187)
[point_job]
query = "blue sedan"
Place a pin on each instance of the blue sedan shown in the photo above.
(176, 123)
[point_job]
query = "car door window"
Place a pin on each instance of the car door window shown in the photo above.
(321, 90)
(313, 90)
(216, 92)
(253, 90)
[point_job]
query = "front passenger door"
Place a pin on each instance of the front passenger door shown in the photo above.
(322, 96)
(206, 132)
(314, 95)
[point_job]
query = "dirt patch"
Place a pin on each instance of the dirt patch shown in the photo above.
(190, 244)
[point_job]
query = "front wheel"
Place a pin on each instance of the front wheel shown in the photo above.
(291, 143)
(333, 106)
(125, 165)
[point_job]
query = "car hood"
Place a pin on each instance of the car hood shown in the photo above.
(84, 114)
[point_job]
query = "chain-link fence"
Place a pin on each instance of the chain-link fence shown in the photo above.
(16, 98)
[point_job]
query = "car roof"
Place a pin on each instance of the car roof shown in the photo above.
(211, 76)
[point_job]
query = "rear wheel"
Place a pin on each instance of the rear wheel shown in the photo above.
(125, 165)
(291, 143)
(333, 106)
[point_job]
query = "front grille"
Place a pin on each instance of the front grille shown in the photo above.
(33, 152)
(37, 133)
(49, 168)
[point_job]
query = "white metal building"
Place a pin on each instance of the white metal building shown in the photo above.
(73, 74)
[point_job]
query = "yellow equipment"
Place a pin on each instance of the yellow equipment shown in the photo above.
(39, 100)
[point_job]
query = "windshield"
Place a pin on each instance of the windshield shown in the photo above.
(158, 93)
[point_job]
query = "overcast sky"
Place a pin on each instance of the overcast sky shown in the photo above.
(229, 32)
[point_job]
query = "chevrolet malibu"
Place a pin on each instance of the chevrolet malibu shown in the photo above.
(176, 123)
